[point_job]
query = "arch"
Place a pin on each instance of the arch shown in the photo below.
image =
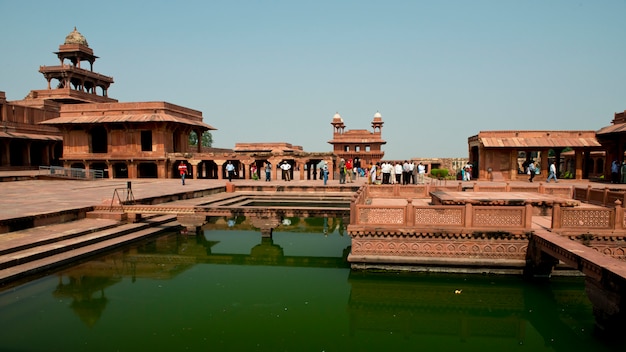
(207, 169)
(120, 170)
(147, 170)
(100, 166)
(176, 173)
(17, 149)
(238, 170)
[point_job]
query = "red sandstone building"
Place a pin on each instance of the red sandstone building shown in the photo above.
(360, 145)
(503, 155)
(125, 140)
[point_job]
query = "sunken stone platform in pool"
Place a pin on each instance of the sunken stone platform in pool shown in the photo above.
(398, 228)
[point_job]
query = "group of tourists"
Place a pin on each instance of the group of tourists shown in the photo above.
(405, 173)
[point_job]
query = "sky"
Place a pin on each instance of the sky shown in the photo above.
(277, 71)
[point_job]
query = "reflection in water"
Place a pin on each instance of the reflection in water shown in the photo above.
(231, 289)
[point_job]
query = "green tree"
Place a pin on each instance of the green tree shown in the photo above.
(207, 139)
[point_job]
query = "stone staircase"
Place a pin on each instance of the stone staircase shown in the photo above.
(39, 249)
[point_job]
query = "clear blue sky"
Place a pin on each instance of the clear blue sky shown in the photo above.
(277, 71)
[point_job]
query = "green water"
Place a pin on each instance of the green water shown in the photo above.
(228, 290)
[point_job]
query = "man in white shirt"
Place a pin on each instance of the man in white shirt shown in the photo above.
(285, 166)
(230, 171)
(552, 173)
(421, 170)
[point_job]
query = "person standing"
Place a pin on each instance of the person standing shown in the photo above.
(531, 171)
(230, 171)
(182, 169)
(552, 173)
(397, 170)
(421, 171)
(349, 170)
(285, 166)
(372, 174)
(615, 171)
(268, 172)
(406, 173)
(342, 171)
(325, 174)
(386, 168)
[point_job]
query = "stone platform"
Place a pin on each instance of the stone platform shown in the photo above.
(500, 198)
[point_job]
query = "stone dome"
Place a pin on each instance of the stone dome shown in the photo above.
(337, 118)
(378, 116)
(75, 38)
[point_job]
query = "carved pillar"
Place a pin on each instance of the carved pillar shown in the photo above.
(300, 165)
(578, 156)
(194, 164)
(513, 166)
(543, 161)
(275, 169)
(220, 169)
(110, 169)
(132, 169)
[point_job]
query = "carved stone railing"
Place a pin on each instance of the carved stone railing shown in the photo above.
(423, 191)
(605, 197)
(594, 218)
(466, 216)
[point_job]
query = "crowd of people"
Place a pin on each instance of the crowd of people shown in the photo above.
(387, 173)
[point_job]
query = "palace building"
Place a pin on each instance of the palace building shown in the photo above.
(362, 146)
(74, 123)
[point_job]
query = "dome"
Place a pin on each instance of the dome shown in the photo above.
(337, 118)
(75, 38)
(378, 116)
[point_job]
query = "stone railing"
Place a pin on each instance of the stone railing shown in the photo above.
(437, 216)
(604, 197)
(423, 191)
(593, 218)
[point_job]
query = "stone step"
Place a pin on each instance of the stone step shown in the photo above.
(42, 235)
(33, 260)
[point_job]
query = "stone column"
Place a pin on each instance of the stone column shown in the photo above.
(132, 169)
(300, 165)
(544, 162)
(110, 169)
(578, 157)
(194, 163)
(220, 168)
(513, 167)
